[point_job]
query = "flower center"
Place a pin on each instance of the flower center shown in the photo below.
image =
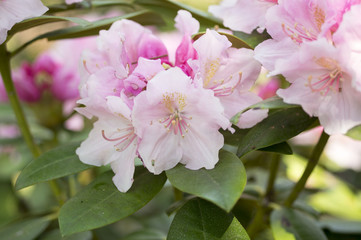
(332, 80)
(176, 121)
(298, 33)
(123, 138)
(43, 79)
(222, 88)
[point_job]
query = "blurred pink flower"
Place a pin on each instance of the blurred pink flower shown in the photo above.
(178, 122)
(14, 11)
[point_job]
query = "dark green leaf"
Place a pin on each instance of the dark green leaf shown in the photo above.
(236, 42)
(58, 162)
(100, 203)
(142, 17)
(25, 230)
(278, 127)
(146, 234)
(254, 38)
(201, 220)
(37, 21)
(289, 224)
(55, 235)
(341, 226)
(222, 185)
(170, 8)
(282, 148)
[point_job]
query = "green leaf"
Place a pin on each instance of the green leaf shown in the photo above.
(235, 232)
(202, 220)
(355, 133)
(290, 224)
(56, 235)
(37, 21)
(143, 17)
(278, 127)
(269, 103)
(58, 162)
(146, 234)
(283, 148)
(100, 203)
(222, 185)
(254, 38)
(170, 8)
(24, 230)
(341, 226)
(236, 42)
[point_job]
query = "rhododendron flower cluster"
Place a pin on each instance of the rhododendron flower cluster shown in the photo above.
(14, 11)
(315, 45)
(163, 112)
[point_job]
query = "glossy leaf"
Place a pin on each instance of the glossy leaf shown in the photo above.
(58, 162)
(269, 103)
(236, 42)
(213, 185)
(254, 38)
(278, 127)
(143, 17)
(25, 230)
(235, 232)
(283, 148)
(290, 224)
(202, 220)
(170, 8)
(100, 203)
(37, 21)
(146, 234)
(55, 235)
(341, 226)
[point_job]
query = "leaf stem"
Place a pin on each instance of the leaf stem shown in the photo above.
(14, 101)
(317, 151)
(275, 162)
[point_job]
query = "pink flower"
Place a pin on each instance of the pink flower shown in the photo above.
(292, 23)
(187, 26)
(14, 11)
(321, 77)
(121, 63)
(243, 15)
(178, 122)
(229, 73)
(112, 140)
(349, 34)
(269, 89)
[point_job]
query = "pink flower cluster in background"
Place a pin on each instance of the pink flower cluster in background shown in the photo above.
(315, 45)
(161, 111)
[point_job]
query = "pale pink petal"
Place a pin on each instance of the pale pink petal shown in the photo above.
(14, 11)
(270, 51)
(202, 145)
(242, 15)
(340, 113)
(118, 107)
(239, 101)
(185, 23)
(72, 1)
(160, 150)
(124, 172)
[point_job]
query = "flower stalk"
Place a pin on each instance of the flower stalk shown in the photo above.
(309, 169)
(14, 101)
